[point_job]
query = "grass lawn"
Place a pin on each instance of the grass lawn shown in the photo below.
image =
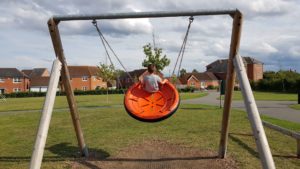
(272, 96)
(295, 106)
(36, 103)
(107, 130)
(283, 123)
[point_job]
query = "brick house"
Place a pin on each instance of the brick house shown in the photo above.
(207, 79)
(39, 84)
(176, 82)
(13, 80)
(253, 67)
(85, 78)
(199, 80)
(39, 79)
(188, 80)
(125, 82)
(36, 72)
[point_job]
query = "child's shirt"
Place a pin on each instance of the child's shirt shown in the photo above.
(151, 83)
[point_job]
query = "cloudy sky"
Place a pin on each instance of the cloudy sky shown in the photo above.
(270, 33)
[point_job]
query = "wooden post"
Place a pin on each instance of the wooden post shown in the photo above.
(40, 141)
(230, 79)
(253, 116)
(57, 44)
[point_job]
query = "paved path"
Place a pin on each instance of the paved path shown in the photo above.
(276, 109)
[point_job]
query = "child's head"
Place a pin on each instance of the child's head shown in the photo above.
(151, 68)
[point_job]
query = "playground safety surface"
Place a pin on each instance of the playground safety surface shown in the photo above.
(157, 154)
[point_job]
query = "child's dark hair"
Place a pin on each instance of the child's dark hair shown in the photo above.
(151, 68)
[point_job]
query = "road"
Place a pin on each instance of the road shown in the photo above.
(276, 109)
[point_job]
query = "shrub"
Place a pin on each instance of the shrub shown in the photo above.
(76, 92)
(25, 94)
(187, 89)
(211, 87)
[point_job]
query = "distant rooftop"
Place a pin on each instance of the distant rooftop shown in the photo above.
(11, 72)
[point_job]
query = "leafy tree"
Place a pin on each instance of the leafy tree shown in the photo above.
(154, 56)
(281, 75)
(288, 81)
(195, 71)
(173, 79)
(107, 73)
(182, 72)
(118, 74)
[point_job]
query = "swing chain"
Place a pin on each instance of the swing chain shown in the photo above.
(104, 43)
(182, 49)
(191, 19)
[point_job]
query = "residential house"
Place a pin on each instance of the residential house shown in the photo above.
(39, 84)
(253, 67)
(112, 84)
(176, 82)
(255, 70)
(85, 78)
(125, 82)
(39, 79)
(199, 80)
(36, 72)
(207, 79)
(188, 80)
(13, 80)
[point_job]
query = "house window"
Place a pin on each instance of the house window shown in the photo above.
(17, 89)
(84, 78)
(16, 80)
(2, 79)
(84, 88)
(192, 84)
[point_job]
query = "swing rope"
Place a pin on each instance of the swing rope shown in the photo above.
(104, 43)
(179, 57)
(182, 49)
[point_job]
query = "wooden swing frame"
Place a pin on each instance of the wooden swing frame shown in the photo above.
(235, 65)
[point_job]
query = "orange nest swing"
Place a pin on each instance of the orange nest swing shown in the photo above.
(151, 107)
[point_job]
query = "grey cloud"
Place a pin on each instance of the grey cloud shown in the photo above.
(33, 15)
(270, 32)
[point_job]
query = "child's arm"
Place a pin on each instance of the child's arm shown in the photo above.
(142, 82)
(161, 83)
(164, 81)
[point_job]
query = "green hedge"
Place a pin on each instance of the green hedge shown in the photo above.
(76, 92)
(187, 90)
(25, 94)
(81, 92)
(277, 85)
(281, 81)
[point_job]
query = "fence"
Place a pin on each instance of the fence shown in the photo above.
(2, 98)
(285, 132)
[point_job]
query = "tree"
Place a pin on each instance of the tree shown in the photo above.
(118, 74)
(195, 71)
(182, 72)
(154, 56)
(107, 73)
(174, 79)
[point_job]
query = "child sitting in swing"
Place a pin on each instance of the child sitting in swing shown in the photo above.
(152, 82)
